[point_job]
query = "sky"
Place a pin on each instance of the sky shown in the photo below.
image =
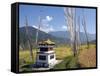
(52, 18)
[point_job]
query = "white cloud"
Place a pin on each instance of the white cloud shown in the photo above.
(64, 27)
(45, 26)
(45, 29)
(35, 26)
(49, 18)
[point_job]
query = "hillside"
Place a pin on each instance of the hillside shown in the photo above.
(59, 37)
(23, 38)
(65, 34)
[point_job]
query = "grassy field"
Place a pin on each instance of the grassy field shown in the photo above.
(85, 58)
(24, 59)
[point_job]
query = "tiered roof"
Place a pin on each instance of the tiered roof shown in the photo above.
(48, 42)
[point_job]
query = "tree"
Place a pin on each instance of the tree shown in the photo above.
(85, 29)
(70, 18)
(29, 39)
(78, 33)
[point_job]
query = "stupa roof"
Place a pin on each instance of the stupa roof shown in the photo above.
(48, 41)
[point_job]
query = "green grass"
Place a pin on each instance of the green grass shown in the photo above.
(25, 61)
(67, 63)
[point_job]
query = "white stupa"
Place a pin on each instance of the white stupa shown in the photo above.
(46, 54)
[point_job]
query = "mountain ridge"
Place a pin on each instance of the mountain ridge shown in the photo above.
(58, 37)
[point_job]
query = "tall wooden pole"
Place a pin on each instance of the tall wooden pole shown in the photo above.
(78, 31)
(85, 28)
(29, 39)
(37, 32)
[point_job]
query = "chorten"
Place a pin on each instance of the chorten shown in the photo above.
(46, 54)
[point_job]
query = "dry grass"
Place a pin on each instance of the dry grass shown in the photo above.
(62, 52)
(87, 57)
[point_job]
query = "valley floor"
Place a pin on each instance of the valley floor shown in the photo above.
(86, 58)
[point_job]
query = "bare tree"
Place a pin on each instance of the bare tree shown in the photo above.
(78, 33)
(85, 28)
(37, 32)
(29, 39)
(70, 17)
(74, 28)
